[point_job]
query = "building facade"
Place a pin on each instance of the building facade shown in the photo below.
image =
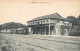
(52, 24)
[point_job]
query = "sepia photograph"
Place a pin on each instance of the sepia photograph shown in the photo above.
(39, 25)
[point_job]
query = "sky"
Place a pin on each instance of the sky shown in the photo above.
(21, 11)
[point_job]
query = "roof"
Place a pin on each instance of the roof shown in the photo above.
(55, 15)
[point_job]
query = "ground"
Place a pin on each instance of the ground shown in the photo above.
(17, 42)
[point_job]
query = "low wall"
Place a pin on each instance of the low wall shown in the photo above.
(15, 42)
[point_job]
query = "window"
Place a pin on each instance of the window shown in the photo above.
(67, 23)
(46, 20)
(41, 22)
(29, 23)
(64, 31)
(38, 22)
(61, 21)
(33, 23)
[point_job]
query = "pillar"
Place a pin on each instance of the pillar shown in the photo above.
(53, 31)
(49, 27)
(45, 30)
(6, 30)
(29, 30)
(56, 29)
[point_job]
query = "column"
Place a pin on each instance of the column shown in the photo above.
(6, 30)
(49, 27)
(29, 30)
(56, 31)
(35, 31)
(45, 30)
(53, 31)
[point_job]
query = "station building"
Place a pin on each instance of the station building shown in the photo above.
(52, 24)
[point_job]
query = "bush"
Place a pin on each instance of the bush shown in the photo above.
(75, 31)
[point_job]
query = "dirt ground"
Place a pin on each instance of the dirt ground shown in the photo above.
(13, 42)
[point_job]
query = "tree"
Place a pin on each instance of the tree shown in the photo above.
(75, 30)
(74, 20)
(79, 19)
(12, 25)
